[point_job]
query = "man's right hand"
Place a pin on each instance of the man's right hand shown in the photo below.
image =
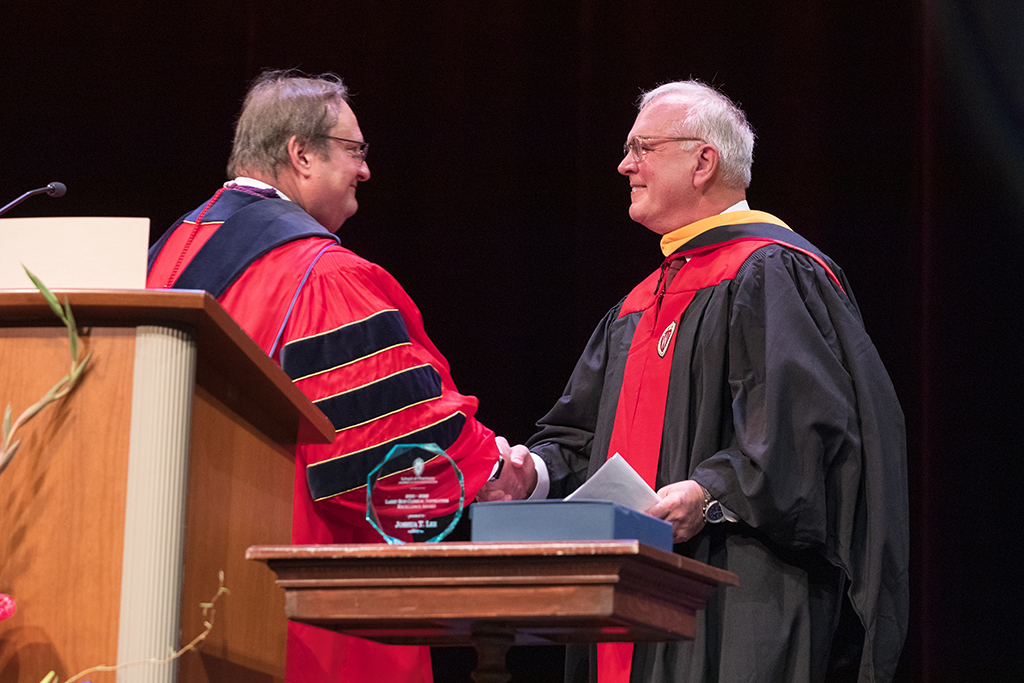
(518, 475)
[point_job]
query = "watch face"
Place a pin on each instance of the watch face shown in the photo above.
(714, 512)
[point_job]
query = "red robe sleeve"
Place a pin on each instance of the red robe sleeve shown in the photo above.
(356, 346)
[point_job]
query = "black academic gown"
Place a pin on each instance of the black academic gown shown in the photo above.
(779, 405)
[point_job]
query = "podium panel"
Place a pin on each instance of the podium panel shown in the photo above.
(241, 481)
(62, 502)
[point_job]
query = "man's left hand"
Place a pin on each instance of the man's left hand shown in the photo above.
(682, 504)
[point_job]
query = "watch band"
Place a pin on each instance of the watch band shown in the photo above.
(713, 512)
(497, 469)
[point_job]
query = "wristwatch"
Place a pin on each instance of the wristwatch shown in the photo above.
(713, 513)
(496, 470)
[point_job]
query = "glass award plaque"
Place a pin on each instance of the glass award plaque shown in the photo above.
(415, 494)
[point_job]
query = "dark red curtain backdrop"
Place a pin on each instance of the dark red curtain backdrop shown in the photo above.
(890, 133)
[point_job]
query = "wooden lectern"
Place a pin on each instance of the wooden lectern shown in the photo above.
(493, 595)
(126, 499)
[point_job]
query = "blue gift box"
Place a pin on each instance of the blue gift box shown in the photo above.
(574, 520)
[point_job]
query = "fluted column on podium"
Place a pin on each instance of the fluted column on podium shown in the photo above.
(164, 377)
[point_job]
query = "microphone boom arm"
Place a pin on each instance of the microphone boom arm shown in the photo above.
(53, 189)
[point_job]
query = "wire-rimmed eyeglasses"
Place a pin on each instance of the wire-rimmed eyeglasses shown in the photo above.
(638, 145)
(359, 153)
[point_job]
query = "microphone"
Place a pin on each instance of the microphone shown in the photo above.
(54, 189)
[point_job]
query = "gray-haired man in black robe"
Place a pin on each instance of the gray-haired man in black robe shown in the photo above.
(739, 381)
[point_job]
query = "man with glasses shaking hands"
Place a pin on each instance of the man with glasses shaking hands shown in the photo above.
(342, 328)
(739, 381)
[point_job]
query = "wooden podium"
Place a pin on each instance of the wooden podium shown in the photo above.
(494, 595)
(126, 499)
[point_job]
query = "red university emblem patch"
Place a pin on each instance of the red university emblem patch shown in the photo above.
(666, 339)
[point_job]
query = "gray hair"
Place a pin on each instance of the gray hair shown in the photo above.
(713, 117)
(281, 104)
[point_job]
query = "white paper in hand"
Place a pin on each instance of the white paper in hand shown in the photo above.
(618, 482)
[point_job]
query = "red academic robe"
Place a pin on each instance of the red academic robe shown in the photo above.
(353, 342)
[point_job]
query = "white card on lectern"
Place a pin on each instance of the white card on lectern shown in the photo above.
(88, 252)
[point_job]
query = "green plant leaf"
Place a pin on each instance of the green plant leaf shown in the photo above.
(47, 294)
(77, 368)
(59, 390)
(69, 320)
(5, 457)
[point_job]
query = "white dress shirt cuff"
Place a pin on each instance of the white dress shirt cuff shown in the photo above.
(540, 491)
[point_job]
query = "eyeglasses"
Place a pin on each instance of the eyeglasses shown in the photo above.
(360, 153)
(639, 145)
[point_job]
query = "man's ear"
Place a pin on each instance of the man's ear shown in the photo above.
(707, 165)
(300, 155)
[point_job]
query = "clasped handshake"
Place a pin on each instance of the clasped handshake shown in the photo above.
(681, 503)
(517, 476)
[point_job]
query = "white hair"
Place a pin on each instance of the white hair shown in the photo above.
(714, 118)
